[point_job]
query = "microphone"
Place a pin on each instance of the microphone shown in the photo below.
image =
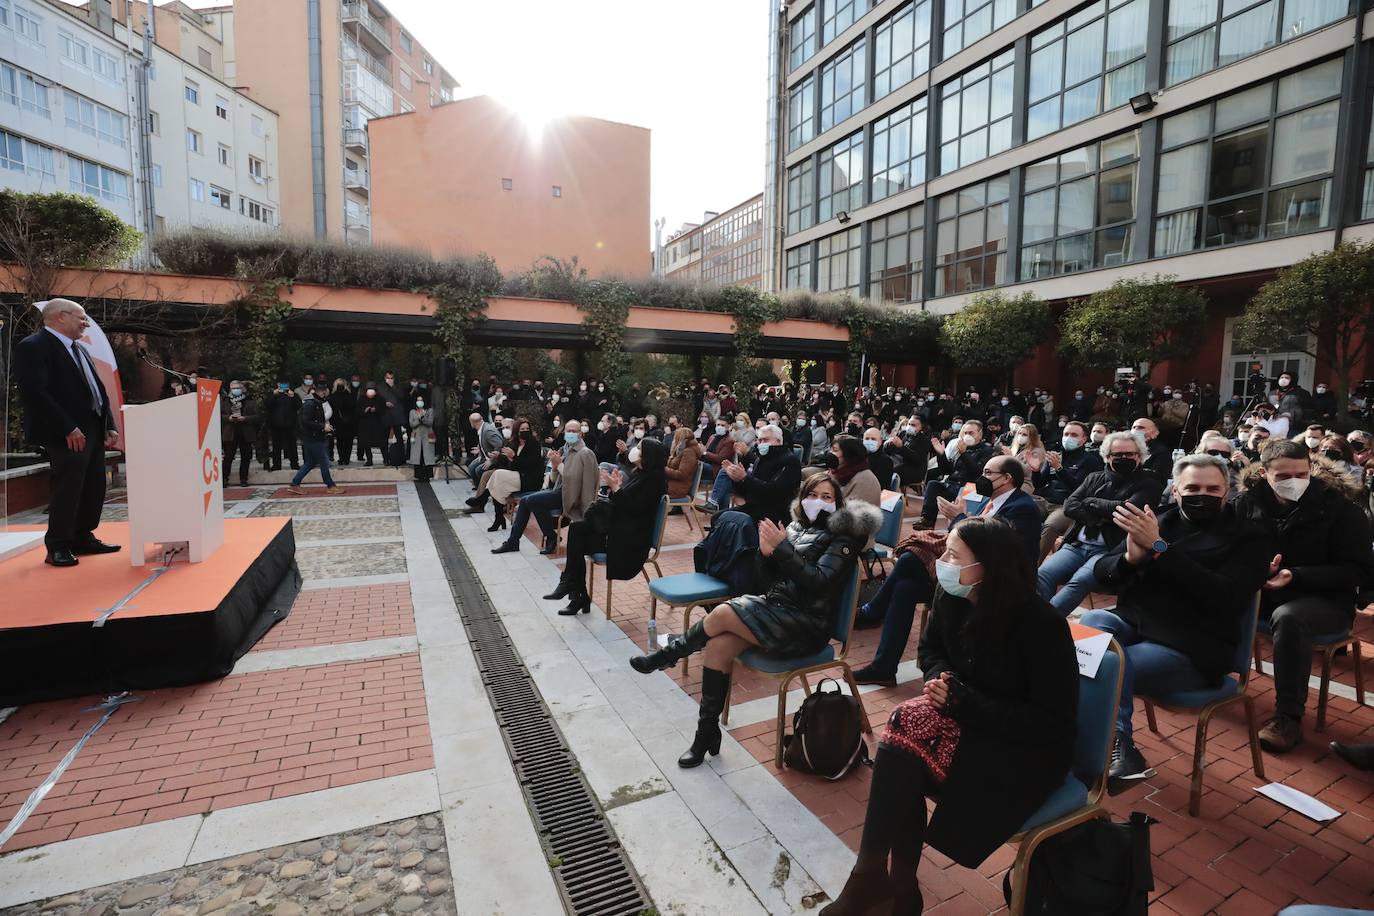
(143, 355)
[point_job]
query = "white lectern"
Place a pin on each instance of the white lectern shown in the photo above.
(172, 453)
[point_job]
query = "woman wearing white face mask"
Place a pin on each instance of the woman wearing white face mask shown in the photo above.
(805, 565)
(992, 735)
(421, 424)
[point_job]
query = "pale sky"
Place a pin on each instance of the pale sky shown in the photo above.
(695, 72)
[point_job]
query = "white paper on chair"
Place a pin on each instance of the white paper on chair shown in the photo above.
(889, 500)
(1300, 802)
(1090, 652)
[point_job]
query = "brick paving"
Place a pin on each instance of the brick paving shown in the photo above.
(1243, 855)
(353, 489)
(331, 616)
(189, 750)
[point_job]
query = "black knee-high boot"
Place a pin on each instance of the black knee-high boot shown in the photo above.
(891, 826)
(678, 648)
(715, 688)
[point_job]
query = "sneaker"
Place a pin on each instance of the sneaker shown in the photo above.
(1281, 734)
(1128, 764)
(299, 491)
(335, 490)
(709, 506)
(870, 675)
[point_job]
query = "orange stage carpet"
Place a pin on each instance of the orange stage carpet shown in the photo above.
(189, 625)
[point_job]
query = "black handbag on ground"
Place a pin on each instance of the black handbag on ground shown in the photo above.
(827, 734)
(1100, 868)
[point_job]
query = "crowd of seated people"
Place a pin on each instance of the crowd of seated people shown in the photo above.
(1179, 508)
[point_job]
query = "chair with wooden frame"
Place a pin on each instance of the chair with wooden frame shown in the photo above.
(1079, 799)
(785, 670)
(656, 544)
(688, 503)
(1328, 645)
(1207, 701)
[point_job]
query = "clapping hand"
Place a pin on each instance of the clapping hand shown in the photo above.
(508, 452)
(614, 479)
(948, 508)
(1278, 577)
(1055, 459)
(1142, 530)
(734, 471)
(771, 534)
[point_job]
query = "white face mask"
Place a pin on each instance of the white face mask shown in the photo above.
(949, 574)
(813, 506)
(1072, 442)
(419, 404)
(506, 433)
(1098, 438)
(634, 455)
(720, 429)
(911, 430)
(1312, 442)
(1290, 490)
(969, 440)
(639, 434)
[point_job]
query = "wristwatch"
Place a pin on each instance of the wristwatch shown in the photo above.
(1159, 546)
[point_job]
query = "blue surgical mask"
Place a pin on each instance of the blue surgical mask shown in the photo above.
(571, 438)
(871, 445)
(947, 574)
(763, 448)
(236, 391)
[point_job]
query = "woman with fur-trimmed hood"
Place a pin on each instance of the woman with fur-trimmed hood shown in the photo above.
(806, 566)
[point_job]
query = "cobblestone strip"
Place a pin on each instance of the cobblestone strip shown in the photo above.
(401, 867)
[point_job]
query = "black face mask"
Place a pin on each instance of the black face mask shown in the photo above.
(1200, 508)
(1124, 466)
(1333, 455)
(983, 486)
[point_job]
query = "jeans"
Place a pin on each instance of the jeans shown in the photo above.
(1293, 624)
(540, 505)
(316, 454)
(722, 490)
(895, 605)
(1072, 567)
(476, 466)
(1154, 668)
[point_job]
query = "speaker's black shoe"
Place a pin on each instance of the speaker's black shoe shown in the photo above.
(61, 557)
(93, 546)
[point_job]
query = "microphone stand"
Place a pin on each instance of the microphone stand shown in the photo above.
(143, 355)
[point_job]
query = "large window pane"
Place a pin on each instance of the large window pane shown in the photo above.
(1238, 162)
(1116, 194)
(1306, 86)
(1114, 245)
(1248, 33)
(1233, 221)
(1244, 107)
(901, 48)
(1299, 208)
(1083, 55)
(1037, 216)
(1126, 28)
(1305, 143)
(1191, 56)
(1189, 15)
(1301, 16)
(1176, 233)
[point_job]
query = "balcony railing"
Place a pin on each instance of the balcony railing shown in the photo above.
(353, 52)
(355, 138)
(356, 11)
(356, 180)
(358, 218)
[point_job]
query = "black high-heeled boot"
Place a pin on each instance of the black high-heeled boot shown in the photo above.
(499, 524)
(715, 688)
(562, 591)
(477, 503)
(678, 648)
(579, 603)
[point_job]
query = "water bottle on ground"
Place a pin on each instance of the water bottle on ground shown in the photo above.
(653, 635)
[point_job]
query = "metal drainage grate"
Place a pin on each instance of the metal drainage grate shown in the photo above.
(589, 865)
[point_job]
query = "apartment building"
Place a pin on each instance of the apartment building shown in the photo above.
(366, 65)
(472, 176)
(725, 249)
(928, 150)
(214, 149)
(64, 107)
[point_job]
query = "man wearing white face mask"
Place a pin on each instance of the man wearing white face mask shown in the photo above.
(1323, 558)
(1293, 399)
(971, 453)
(767, 479)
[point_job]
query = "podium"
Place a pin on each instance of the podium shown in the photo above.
(173, 452)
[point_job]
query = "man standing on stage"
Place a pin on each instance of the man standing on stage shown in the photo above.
(67, 411)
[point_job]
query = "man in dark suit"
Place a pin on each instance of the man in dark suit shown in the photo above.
(67, 411)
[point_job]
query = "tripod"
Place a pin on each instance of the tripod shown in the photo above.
(445, 459)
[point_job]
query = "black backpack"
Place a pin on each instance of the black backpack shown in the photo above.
(827, 734)
(1098, 868)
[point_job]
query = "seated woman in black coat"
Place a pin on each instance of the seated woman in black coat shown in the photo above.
(806, 563)
(517, 468)
(624, 529)
(992, 736)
